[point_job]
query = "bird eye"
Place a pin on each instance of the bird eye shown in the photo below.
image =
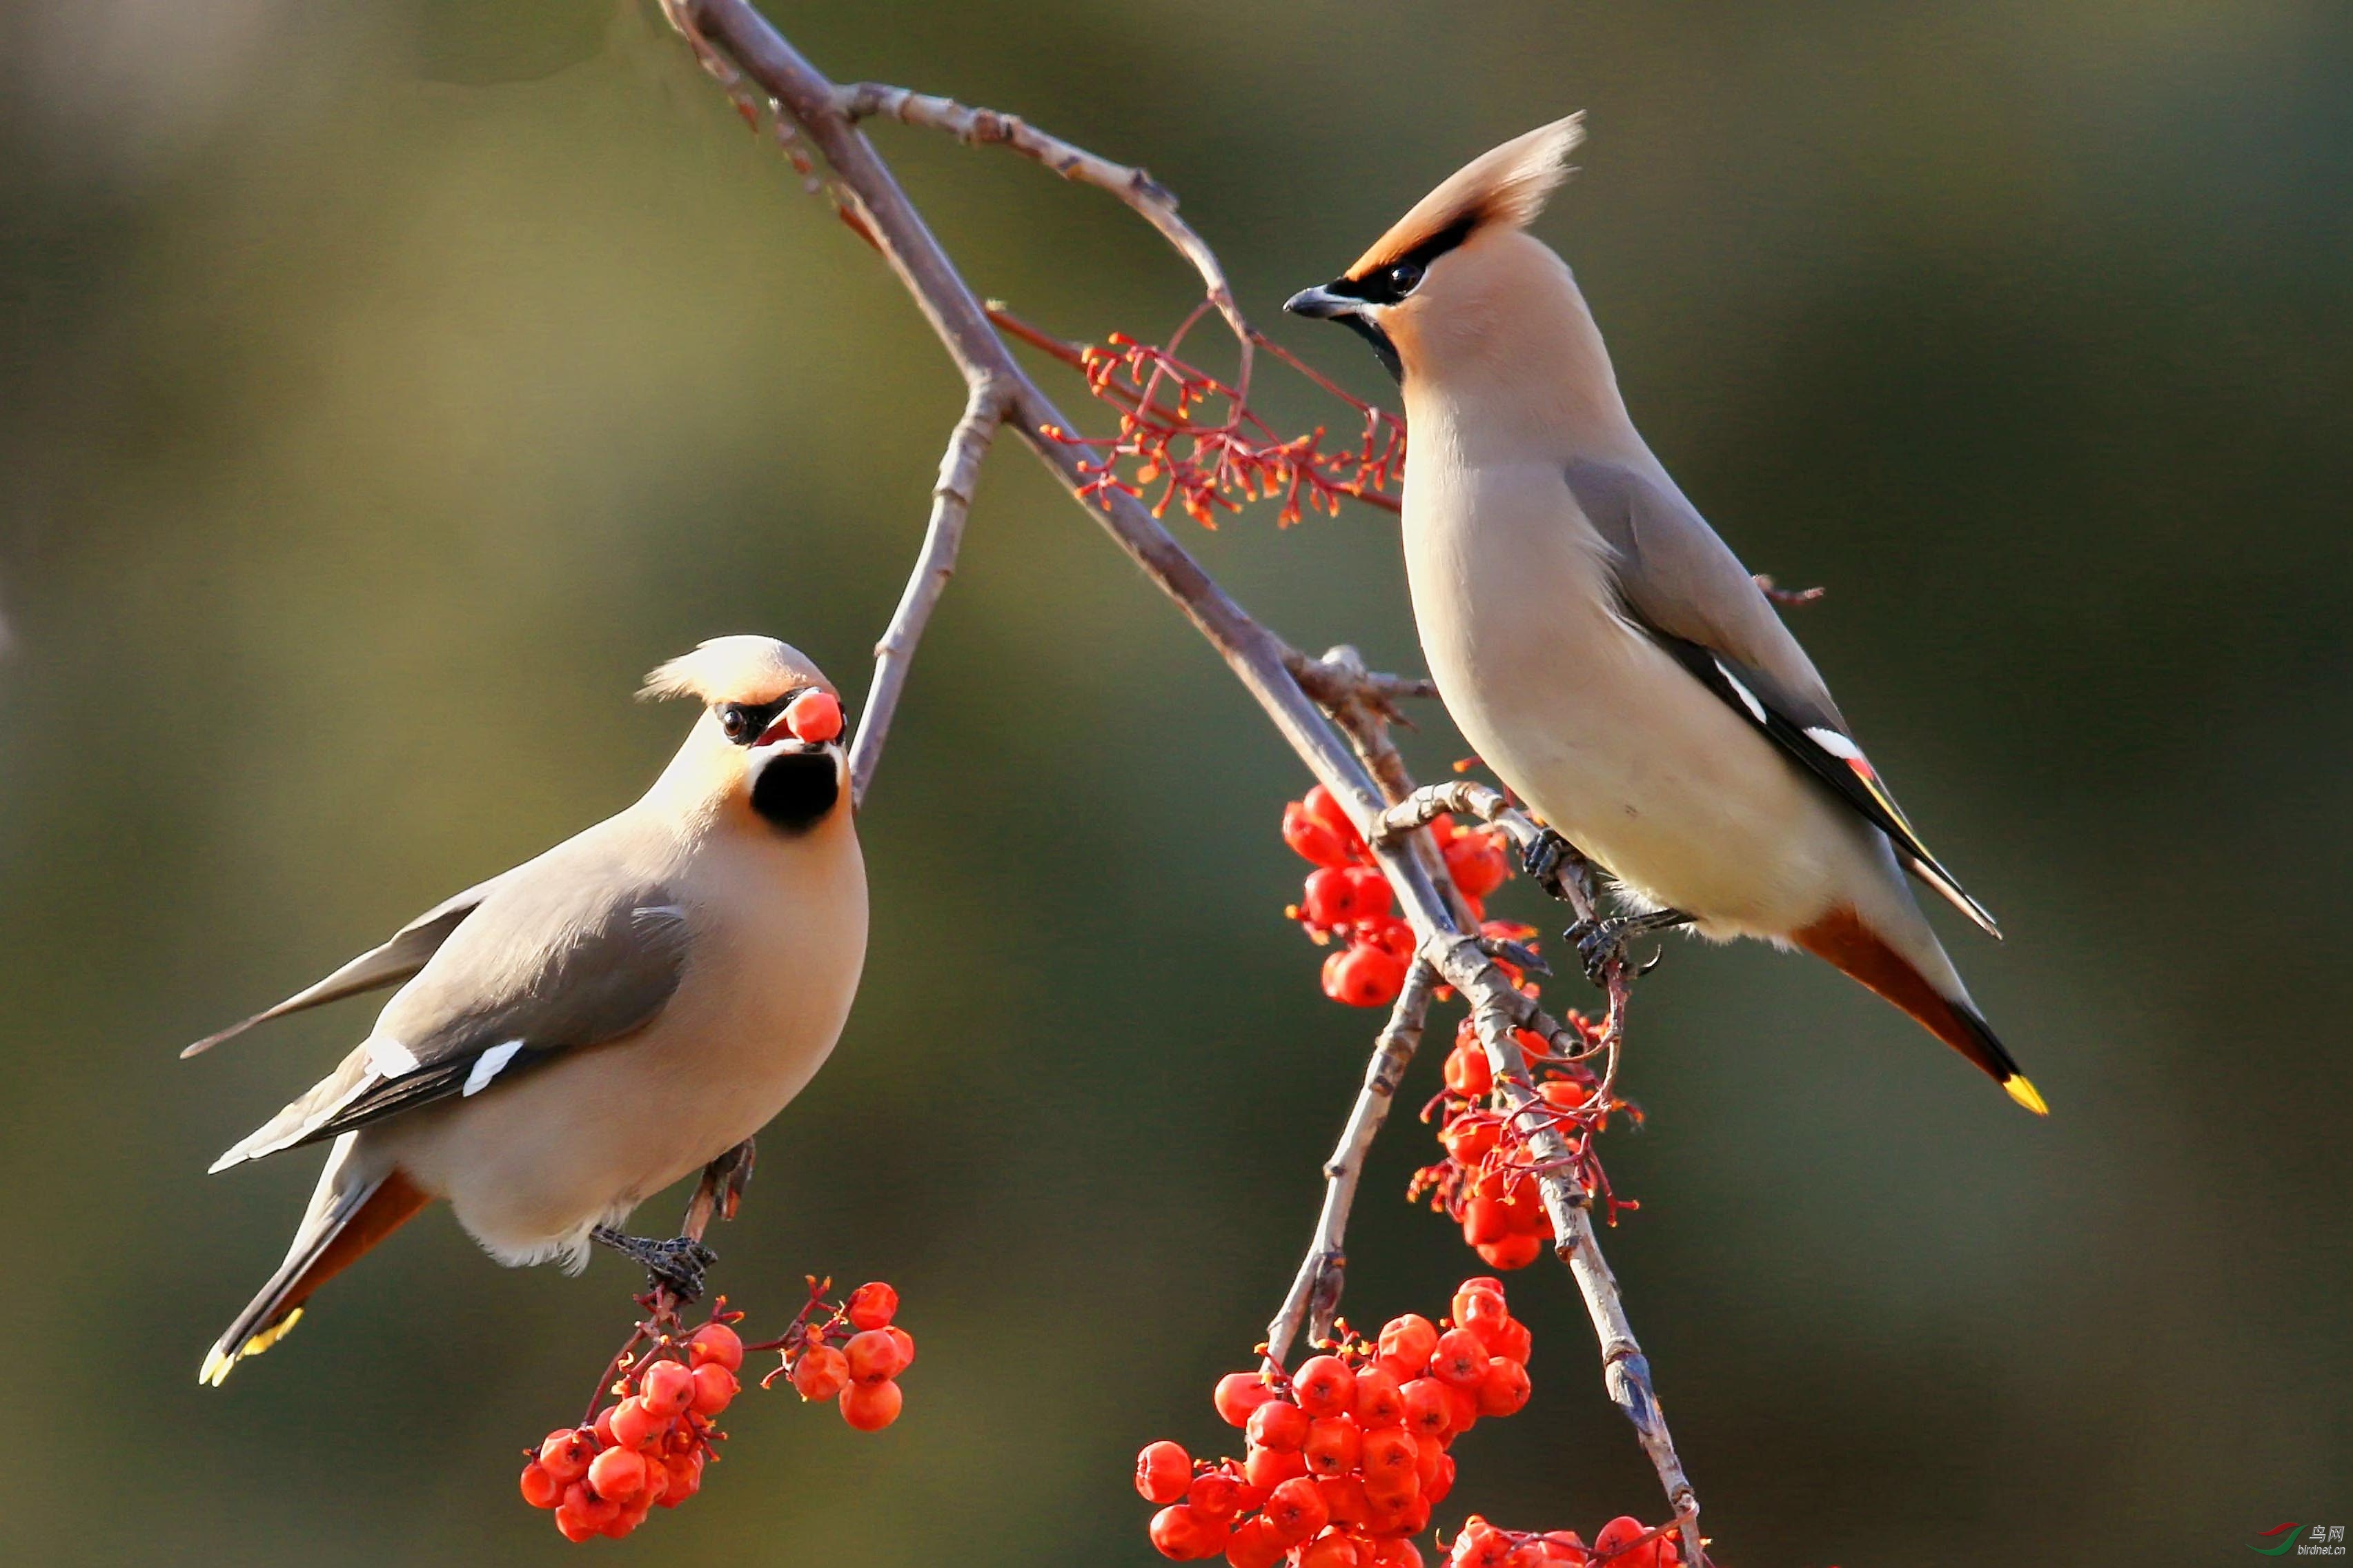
(734, 722)
(1404, 278)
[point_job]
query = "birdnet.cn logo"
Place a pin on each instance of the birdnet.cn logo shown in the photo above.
(2301, 1541)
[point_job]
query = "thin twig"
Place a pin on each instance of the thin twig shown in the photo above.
(1260, 659)
(1315, 1298)
(935, 565)
(1152, 201)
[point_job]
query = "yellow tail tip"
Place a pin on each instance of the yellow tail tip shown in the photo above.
(2024, 1093)
(217, 1362)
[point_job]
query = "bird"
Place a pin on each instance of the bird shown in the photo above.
(578, 1033)
(1599, 646)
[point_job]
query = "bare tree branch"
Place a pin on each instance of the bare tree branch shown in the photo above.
(1315, 1298)
(935, 565)
(1262, 661)
(1153, 201)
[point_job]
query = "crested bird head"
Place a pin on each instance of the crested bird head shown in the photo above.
(1456, 287)
(771, 738)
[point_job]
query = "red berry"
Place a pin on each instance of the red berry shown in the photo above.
(1319, 803)
(1330, 1552)
(1481, 1311)
(1278, 1423)
(1468, 1138)
(1215, 1495)
(1362, 975)
(1378, 1401)
(1374, 895)
(1565, 1549)
(715, 1388)
(603, 1426)
(1186, 1535)
(1460, 1361)
(567, 1453)
(1329, 899)
(1618, 1536)
(813, 717)
(574, 1526)
(1409, 1342)
(667, 1389)
(618, 1474)
(1477, 864)
(821, 1373)
(1325, 1385)
(1239, 1393)
(1332, 1445)
(1395, 1553)
(1515, 1343)
(540, 1487)
(1344, 1500)
(715, 1342)
(1255, 1545)
(873, 1304)
(1296, 1511)
(1434, 1490)
(1505, 1390)
(1310, 840)
(591, 1509)
(873, 1356)
(1512, 1252)
(1428, 1412)
(1389, 1455)
(1267, 1468)
(1467, 1072)
(1480, 1285)
(683, 1479)
(906, 1343)
(635, 1425)
(1485, 1222)
(1163, 1471)
(871, 1406)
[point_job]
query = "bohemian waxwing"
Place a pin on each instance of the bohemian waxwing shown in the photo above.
(582, 1031)
(1605, 652)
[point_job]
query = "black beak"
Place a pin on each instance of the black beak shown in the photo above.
(1321, 304)
(1325, 303)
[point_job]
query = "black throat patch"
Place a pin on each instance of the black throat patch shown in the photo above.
(796, 790)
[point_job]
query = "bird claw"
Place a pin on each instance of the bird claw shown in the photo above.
(1546, 864)
(1602, 944)
(677, 1264)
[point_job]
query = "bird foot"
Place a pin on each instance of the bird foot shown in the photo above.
(1550, 862)
(676, 1265)
(1601, 943)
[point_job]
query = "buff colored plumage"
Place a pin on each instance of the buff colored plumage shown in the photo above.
(1603, 649)
(582, 1031)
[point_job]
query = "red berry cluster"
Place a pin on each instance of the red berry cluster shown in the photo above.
(852, 1354)
(1347, 899)
(1346, 1456)
(1487, 1181)
(646, 1448)
(1621, 1544)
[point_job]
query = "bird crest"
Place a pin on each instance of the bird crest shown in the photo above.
(1504, 187)
(734, 669)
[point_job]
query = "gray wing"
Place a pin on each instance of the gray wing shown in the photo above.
(402, 955)
(1684, 585)
(529, 979)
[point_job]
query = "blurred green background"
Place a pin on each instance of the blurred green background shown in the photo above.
(387, 385)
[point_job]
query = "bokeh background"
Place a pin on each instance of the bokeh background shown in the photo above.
(385, 386)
